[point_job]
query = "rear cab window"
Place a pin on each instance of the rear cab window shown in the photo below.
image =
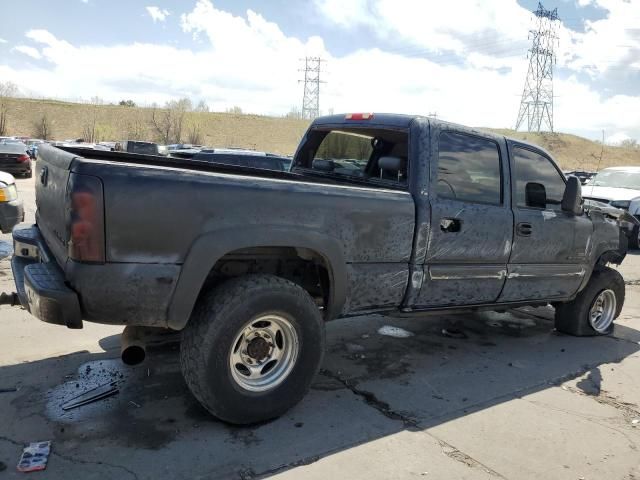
(375, 156)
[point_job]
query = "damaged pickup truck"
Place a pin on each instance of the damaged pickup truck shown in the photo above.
(379, 213)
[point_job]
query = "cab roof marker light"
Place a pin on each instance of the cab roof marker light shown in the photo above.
(358, 116)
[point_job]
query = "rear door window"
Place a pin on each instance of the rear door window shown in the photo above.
(468, 169)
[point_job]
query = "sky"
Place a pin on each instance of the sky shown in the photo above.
(465, 60)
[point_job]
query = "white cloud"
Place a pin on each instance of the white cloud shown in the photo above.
(158, 14)
(2, 40)
(248, 61)
(607, 44)
(29, 51)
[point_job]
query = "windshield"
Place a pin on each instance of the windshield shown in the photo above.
(616, 179)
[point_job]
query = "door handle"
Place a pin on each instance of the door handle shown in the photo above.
(449, 225)
(524, 229)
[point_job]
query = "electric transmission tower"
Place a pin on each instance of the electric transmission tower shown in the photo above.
(311, 96)
(536, 105)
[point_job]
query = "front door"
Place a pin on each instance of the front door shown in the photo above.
(471, 221)
(549, 254)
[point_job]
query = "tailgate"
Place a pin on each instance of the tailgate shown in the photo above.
(52, 175)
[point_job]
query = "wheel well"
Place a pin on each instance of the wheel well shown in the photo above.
(610, 256)
(302, 266)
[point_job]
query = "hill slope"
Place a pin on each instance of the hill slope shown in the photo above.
(278, 135)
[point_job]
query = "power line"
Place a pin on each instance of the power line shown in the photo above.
(311, 95)
(536, 104)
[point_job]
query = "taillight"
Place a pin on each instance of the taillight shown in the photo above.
(85, 219)
(23, 158)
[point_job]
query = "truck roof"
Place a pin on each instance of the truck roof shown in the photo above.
(400, 120)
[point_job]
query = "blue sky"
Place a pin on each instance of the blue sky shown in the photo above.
(465, 59)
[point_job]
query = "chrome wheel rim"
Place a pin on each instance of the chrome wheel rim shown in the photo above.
(603, 310)
(263, 353)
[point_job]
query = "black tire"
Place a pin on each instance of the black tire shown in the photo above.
(29, 174)
(634, 239)
(573, 317)
(209, 336)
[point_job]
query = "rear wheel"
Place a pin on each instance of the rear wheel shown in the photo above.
(29, 174)
(595, 308)
(252, 348)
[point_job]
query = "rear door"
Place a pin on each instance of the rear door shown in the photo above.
(471, 220)
(548, 259)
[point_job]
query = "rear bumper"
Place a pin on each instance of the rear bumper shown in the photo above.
(11, 213)
(17, 168)
(110, 293)
(40, 283)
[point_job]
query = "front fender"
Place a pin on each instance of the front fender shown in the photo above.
(210, 247)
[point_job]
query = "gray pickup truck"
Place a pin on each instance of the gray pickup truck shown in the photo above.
(378, 214)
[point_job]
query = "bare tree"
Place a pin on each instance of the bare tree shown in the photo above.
(42, 128)
(7, 90)
(630, 143)
(90, 129)
(236, 110)
(294, 114)
(168, 122)
(202, 107)
(135, 128)
(194, 135)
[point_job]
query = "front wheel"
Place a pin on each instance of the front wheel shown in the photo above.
(595, 308)
(252, 348)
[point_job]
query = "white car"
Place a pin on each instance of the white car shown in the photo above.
(620, 188)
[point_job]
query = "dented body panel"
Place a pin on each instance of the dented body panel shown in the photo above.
(169, 222)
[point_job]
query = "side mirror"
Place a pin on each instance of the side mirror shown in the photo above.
(572, 199)
(535, 195)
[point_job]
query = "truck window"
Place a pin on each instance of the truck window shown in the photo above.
(349, 152)
(357, 153)
(532, 167)
(468, 169)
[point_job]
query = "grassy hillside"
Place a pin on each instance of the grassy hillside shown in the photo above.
(278, 135)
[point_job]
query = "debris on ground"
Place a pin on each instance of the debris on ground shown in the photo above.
(99, 393)
(635, 421)
(8, 390)
(395, 332)
(453, 332)
(34, 457)
(9, 299)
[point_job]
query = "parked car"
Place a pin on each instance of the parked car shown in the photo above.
(618, 187)
(15, 159)
(32, 147)
(11, 209)
(249, 264)
(136, 146)
(582, 175)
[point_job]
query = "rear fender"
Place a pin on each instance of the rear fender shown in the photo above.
(210, 247)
